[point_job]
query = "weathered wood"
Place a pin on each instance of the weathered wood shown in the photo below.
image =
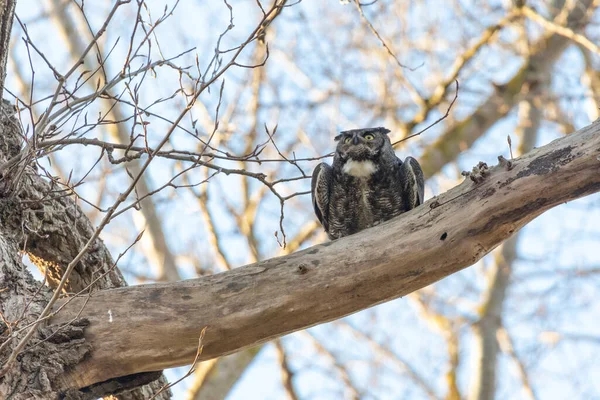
(151, 327)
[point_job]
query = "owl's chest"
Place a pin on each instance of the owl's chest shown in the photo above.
(357, 204)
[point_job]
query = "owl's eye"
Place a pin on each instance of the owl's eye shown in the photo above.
(368, 136)
(347, 140)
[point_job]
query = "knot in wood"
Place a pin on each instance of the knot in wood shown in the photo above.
(302, 269)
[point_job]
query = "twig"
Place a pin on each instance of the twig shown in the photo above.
(413, 91)
(205, 84)
(443, 117)
(192, 367)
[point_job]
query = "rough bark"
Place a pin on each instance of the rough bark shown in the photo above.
(22, 299)
(157, 326)
(61, 230)
(51, 228)
(37, 217)
(7, 12)
(56, 230)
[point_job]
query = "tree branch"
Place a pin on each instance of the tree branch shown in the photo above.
(151, 327)
(7, 13)
(544, 54)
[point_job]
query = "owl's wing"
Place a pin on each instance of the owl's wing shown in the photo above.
(320, 192)
(413, 182)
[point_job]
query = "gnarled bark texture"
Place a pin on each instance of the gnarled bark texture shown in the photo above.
(52, 229)
(37, 217)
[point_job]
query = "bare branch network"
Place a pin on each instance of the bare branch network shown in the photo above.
(188, 152)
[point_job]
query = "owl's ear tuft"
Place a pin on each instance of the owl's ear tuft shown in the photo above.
(384, 130)
(338, 137)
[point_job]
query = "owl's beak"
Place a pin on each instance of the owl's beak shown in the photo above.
(355, 140)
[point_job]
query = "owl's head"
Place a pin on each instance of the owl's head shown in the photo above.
(362, 144)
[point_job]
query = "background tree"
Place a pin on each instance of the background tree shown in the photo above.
(242, 100)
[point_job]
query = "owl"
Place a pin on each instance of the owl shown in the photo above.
(366, 185)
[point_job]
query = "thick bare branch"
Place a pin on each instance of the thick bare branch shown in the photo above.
(216, 377)
(151, 327)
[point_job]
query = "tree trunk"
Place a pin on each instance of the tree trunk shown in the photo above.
(51, 228)
(7, 13)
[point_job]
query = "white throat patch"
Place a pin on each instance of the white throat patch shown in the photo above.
(359, 169)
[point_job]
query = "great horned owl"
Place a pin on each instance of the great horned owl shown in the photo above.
(366, 185)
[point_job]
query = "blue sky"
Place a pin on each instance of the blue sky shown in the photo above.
(316, 48)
